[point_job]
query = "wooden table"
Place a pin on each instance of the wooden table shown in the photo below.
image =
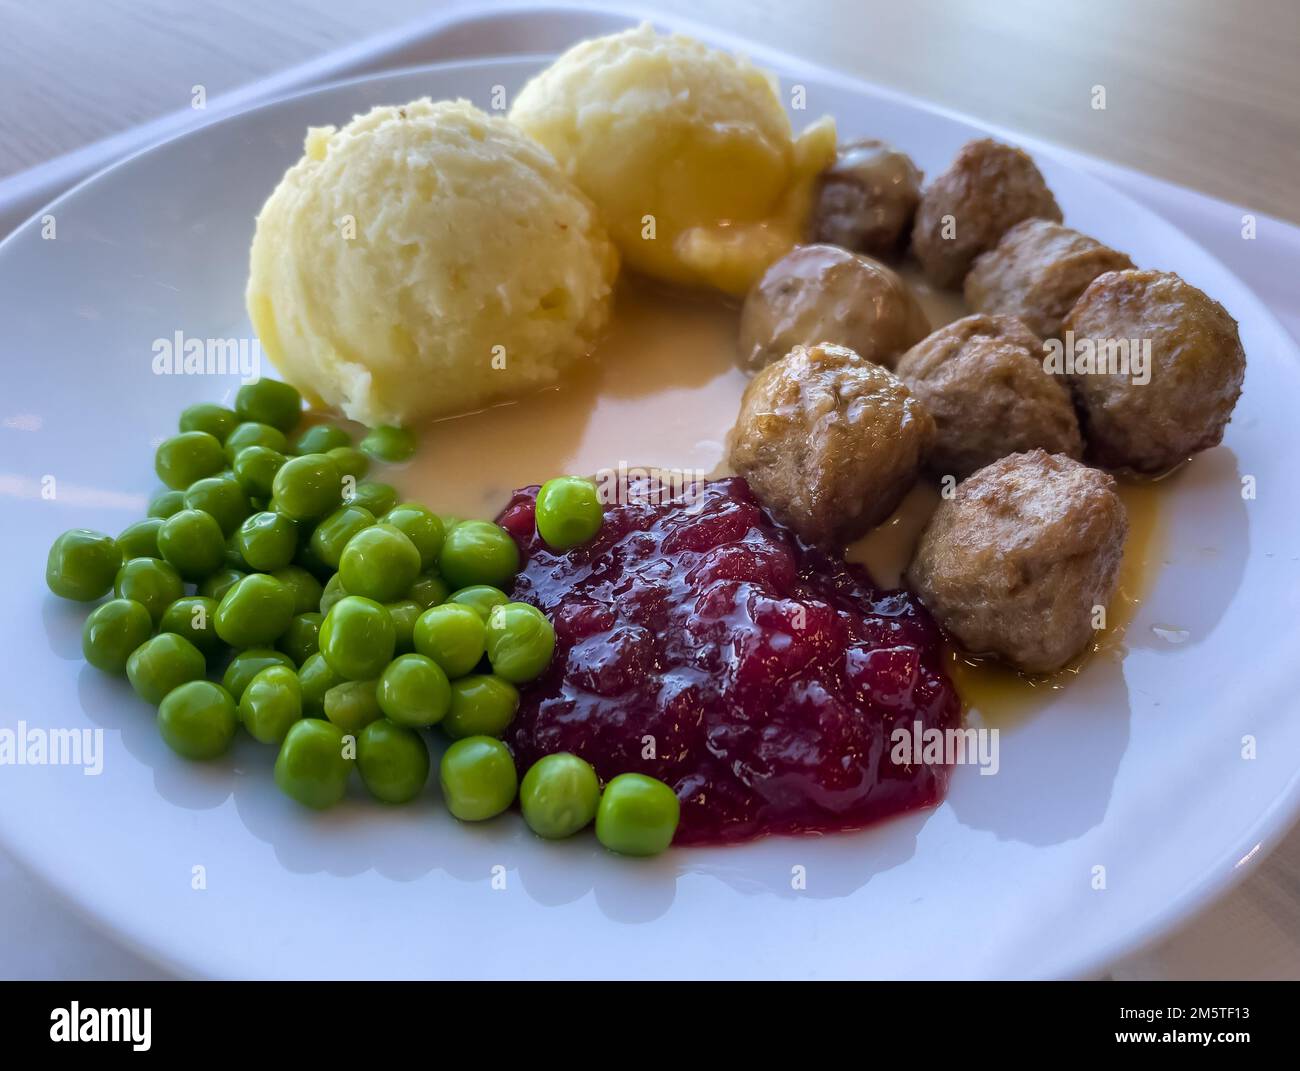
(1202, 92)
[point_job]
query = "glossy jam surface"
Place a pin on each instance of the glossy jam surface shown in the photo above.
(698, 642)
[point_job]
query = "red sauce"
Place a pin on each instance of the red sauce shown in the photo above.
(702, 644)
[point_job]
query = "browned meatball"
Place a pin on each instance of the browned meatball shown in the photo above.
(986, 190)
(821, 293)
(982, 379)
(1037, 272)
(865, 201)
(829, 442)
(1193, 377)
(1015, 563)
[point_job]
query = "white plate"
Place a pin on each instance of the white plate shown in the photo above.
(1137, 768)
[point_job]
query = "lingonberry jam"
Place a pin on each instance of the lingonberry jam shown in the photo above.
(699, 642)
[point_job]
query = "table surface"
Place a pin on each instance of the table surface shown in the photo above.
(1200, 92)
(1205, 93)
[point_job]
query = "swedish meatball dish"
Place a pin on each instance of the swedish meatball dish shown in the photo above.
(651, 467)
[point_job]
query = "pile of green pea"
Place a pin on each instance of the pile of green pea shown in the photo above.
(346, 622)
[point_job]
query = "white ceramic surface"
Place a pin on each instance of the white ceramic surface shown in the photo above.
(1136, 768)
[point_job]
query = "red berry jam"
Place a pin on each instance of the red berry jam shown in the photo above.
(699, 642)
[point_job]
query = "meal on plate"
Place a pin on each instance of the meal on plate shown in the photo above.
(691, 659)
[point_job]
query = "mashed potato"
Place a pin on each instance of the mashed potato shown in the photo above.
(665, 132)
(425, 260)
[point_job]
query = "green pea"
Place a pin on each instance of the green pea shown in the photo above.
(192, 543)
(352, 705)
(248, 664)
(140, 540)
(192, 617)
(314, 764)
(187, 457)
(453, 636)
(478, 552)
(82, 564)
(404, 613)
(393, 761)
(414, 691)
(321, 439)
(301, 639)
(197, 720)
(222, 497)
(481, 705)
(637, 815)
(234, 556)
(568, 512)
(253, 433)
(482, 598)
(379, 562)
(559, 795)
(268, 541)
(428, 590)
(167, 503)
(255, 468)
(520, 641)
(271, 703)
(478, 778)
(335, 531)
(357, 638)
(216, 585)
(351, 461)
(160, 664)
(254, 612)
(112, 631)
(307, 487)
(154, 584)
(216, 420)
(304, 587)
(387, 443)
(268, 401)
(378, 498)
(332, 593)
(316, 678)
(422, 527)
(305, 558)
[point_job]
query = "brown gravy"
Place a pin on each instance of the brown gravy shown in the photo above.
(663, 390)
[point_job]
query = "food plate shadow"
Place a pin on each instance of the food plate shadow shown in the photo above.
(1055, 773)
(823, 868)
(1204, 560)
(418, 839)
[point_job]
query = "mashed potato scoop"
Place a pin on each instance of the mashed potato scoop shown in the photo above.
(426, 260)
(686, 150)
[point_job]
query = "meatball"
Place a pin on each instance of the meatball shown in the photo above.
(1015, 563)
(1156, 368)
(865, 201)
(829, 442)
(1037, 272)
(986, 190)
(821, 293)
(982, 380)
